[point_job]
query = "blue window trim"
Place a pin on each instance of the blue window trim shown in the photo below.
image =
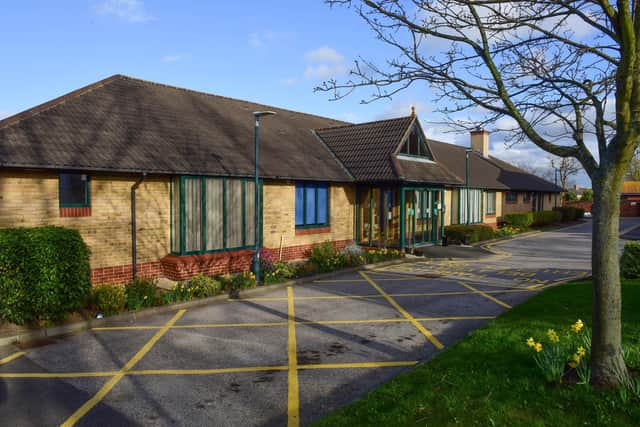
(87, 193)
(306, 187)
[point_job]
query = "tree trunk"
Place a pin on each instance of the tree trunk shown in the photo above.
(607, 364)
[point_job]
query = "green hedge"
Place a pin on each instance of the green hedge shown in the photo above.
(44, 273)
(519, 219)
(546, 217)
(570, 213)
(473, 233)
(630, 261)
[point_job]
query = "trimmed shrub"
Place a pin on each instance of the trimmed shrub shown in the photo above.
(109, 299)
(140, 293)
(325, 257)
(630, 261)
(44, 273)
(542, 218)
(524, 219)
(202, 286)
(570, 213)
(459, 233)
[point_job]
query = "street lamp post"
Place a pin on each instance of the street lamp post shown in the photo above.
(468, 210)
(555, 170)
(256, 208)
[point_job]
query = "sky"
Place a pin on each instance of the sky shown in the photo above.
(271, 52)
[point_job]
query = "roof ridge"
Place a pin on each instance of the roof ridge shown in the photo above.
(33, 111)
(201, 92)
(364, 123)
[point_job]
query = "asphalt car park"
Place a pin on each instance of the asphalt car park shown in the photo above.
(286, 357)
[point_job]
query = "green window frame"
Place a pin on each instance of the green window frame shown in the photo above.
(213, 214)
(476, 206)
(308, 206)
(491, 202)
(415, 146)
(66, 182)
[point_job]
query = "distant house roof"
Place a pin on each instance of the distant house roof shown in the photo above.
(631, 187)
(368, 150)
(124, 124)
(488, 172)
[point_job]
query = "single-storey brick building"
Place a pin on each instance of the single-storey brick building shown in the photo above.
(159, 179)
(630, 199)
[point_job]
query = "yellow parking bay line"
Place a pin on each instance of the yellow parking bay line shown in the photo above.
(358, 365)
(76, 416)
(404, 312)
(45, 375)
(486, 295)
(293, 403)
(208, 371)
(11, 357)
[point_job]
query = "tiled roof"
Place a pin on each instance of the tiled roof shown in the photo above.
(631, 187)
(368, 151)
(124, 124)
(490, 173)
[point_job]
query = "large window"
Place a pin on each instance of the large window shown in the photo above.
(74, 190)
(211, 214)
(471, 206)
(312, 204)
(491, 202)
(415, 145)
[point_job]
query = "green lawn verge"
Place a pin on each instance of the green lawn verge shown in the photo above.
(490, 378)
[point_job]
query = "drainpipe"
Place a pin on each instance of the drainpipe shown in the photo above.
(134, 248)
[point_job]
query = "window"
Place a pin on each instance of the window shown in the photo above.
(512, 197)
(491, 202)
(526, 197)
(74, 190)
(211, 214)
(474, 214)
(415, 145)
(312, 204)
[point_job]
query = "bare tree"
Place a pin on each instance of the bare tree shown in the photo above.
(533, 169)
(560, 73)
(565, 167)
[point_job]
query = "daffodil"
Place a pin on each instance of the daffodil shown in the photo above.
(553, 336)
(537, 347)
(577, 327)
(531, 342)
(581, 351)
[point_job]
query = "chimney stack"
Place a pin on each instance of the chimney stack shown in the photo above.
(480, 141)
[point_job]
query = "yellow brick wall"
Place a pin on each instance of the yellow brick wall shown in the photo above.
(279, 215)
(30, 199)
(447, 204)
(518, 207)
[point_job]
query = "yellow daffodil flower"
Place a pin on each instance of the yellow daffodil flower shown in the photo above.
(553, 336)
(537, 347)
(577, 327)
(581, 351)
(531, 342)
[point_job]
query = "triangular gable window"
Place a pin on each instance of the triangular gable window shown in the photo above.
(415, 145)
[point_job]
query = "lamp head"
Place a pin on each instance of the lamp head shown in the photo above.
(258, 114)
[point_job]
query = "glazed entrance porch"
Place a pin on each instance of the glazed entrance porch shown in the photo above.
(399, 217)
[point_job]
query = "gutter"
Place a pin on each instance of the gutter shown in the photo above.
(134, 246)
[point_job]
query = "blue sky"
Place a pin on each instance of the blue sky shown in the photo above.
(272, 52)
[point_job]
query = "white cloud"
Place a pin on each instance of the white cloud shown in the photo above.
(324, 54)
(290, 81)
(325, 71)
(403, 109)
(324, 63)
(174, 58)
(129, 10)
(262, 39)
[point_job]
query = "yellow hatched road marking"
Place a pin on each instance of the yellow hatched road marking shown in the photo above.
(358, 365)
(486, 295)
(207, 371)
(11, 357)
(293, 404)
(404, 312)
(57, 374)
(76, 416)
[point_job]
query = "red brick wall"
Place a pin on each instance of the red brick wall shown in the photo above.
(178, 268)
(587, 206)
(627, 210)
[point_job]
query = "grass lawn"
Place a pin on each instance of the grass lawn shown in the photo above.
(490, 377)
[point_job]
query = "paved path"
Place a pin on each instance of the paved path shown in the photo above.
(287, 357)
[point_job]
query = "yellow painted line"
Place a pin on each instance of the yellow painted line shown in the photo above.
(405, 313)
(78, 414)
(125, 328)
(293, 403)
(231, 325)
(486, 295)
(56, 374)
(207, 371)
(339, 281)
(358, 365)
(11, 357)
(257, 299)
